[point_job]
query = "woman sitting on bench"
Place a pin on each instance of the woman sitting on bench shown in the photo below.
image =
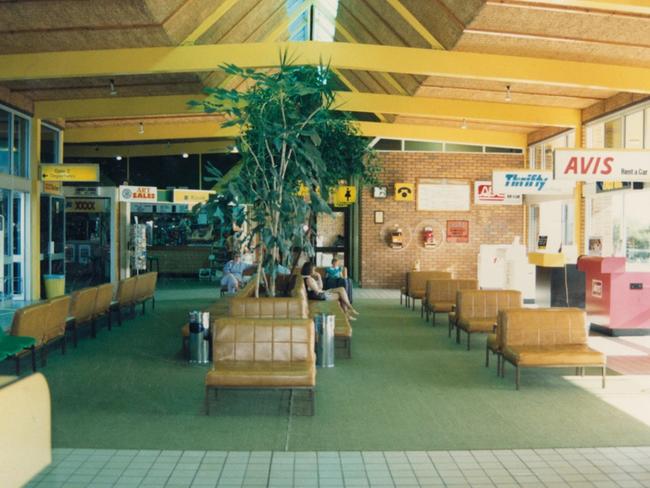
(314, 284)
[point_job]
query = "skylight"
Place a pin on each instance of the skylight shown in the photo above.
(312, 20)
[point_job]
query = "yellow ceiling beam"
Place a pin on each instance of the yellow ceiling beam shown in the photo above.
(204, 130)
(283, 27)
(415, 23)
(209, 21)
(115, 107)
(626, 6)
(139, 150)
(364, 57)
(153, 132)
(447, 134)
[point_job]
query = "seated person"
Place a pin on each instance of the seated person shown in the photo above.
(315, 290)
(336, 277)
(233, 273)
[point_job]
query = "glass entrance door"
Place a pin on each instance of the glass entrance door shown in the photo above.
(52, 235)
(12, 244)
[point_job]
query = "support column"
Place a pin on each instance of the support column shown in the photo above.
(35, 210)
(578, 195)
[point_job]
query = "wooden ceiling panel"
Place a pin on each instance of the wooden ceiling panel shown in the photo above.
(470, 124)
(187, 17)
(601, 27)
(554, 49)
(240, 22)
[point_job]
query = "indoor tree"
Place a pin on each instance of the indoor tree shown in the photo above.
(295, 149)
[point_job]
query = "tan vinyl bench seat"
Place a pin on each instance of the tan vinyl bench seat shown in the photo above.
(561, 355)
(256, 373)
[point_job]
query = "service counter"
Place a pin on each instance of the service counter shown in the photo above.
(618, 300)
(179, 260)
(559, 283)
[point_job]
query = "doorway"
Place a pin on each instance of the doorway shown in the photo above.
(52, 236)
(12, 244)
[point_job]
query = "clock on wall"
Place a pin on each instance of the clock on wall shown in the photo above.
(379, 192)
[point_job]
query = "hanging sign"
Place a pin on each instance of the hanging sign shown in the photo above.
(601, 165)
(191, 197)
(139, 194)
(529, 182)
(69, 172)
(483, 195)
(85, 205)
(52, 187)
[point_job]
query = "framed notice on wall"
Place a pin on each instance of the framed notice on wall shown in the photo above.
(443, 195)
(458, 231)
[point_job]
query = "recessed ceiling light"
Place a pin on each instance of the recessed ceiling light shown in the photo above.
(508, 94)
(185, 155)
(113, 90)
(141, 128)
(464, 124)
(118, 157)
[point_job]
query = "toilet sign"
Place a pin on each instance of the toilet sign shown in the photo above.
(345, 195)
(138, 194)
(484, 195)
(601, 165)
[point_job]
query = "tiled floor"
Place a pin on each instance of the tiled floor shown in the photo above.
(607, 467)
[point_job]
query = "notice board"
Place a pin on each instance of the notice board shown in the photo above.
(443, 195)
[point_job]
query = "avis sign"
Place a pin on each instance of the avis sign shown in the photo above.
(601, 165)
(529, 182)
(484, 195)
(138, 194)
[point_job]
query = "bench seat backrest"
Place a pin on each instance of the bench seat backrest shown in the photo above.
(82, 305)
(104, 299)
(56, 319)
(445, 290)
(126, 291)
(542, 327)
(276, 340)
(485, 304)
(294, 306)
(416, 281)
(31, 321)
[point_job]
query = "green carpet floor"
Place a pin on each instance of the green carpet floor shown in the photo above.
(408, 387)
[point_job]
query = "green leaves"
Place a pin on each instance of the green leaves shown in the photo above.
(289, 135)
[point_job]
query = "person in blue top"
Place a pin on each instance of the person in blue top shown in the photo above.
(233, 273)
(336, 276)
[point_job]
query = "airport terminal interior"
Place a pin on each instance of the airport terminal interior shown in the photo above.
(325, 243)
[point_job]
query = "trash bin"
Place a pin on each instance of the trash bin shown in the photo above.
(199, 337)
(54, 285)
(325, 349)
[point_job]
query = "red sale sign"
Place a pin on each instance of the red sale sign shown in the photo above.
(601, 165)
(484, 195)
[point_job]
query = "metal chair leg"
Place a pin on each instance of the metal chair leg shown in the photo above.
(74, 335)
(63, 345)
(457, 335)
(517, 377)
(604, 373)
(17, 359)
(487, 357)
(498, 364)
(33, 348)
(468, 339)
(93, 328)
(206, 401)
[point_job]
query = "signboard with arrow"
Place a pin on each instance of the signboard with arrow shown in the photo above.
(69, 172)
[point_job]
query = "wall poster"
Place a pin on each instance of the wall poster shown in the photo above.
(458, 231)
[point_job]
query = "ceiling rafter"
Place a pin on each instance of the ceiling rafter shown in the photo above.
(391, 59)
(510, 113)
(406, 14)
(616, 7)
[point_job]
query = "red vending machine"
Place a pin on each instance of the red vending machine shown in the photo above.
(617, 301)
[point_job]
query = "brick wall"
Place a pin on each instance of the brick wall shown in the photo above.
(384, 267)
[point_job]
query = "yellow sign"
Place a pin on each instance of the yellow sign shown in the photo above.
(191, 197)
(69, 172)
(52, 187)
(303, 191)
(344, 196)
(404, 192)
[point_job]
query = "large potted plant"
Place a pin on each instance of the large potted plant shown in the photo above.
(295, 149)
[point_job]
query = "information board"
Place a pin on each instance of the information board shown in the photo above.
(443, 195)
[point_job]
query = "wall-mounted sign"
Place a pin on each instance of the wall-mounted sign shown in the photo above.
(542, 241)
(191, 197)
(529, 182)
(85, 205)
(458, 231)
(52, 187)
(442, 195)
(601, 165)
(138, 194)
(404, 192)
(69, 172)
(483, 195)
(345, 195)
(85, 191)
(379, 192)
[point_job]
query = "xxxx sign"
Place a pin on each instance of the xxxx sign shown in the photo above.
(601, 165)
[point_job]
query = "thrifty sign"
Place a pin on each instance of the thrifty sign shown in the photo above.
(601, 165)
(69, 172)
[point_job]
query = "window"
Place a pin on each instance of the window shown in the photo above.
(541, 154)
(14, 143)
(49, 144)
(614, 133)
(634, 130)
